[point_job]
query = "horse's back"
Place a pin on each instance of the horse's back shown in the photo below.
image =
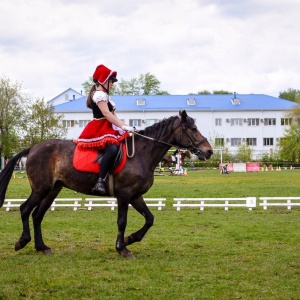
(49, 155)
(52, 146)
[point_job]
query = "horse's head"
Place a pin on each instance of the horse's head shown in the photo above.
(190, 137)
(187, 154)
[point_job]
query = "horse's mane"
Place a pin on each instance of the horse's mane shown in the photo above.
(159, 129)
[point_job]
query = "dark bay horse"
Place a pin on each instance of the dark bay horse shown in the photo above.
(169, 161)
(49, 169)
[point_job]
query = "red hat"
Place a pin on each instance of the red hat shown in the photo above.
(102, 74)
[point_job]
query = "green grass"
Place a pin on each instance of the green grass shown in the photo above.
(190, 254)
(208, 183)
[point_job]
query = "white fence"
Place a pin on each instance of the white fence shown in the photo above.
(11, 203)
(248, 202)
(58, 202)
(91, 202)
(226, 203)
(112, 202)
(288, 201)
(66, 202)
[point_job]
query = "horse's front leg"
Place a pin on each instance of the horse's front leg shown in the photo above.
(122, 222)
(140, 205)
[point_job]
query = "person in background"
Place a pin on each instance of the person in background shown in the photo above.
(106, 131)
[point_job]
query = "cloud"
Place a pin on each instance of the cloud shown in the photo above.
(243, 46)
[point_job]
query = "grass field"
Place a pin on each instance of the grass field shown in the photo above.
(191, 254)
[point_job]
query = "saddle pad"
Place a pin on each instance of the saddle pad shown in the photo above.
(85, 160)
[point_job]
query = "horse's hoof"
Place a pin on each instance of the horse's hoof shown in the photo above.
(18, 246)
(127, 254)
(48, 252)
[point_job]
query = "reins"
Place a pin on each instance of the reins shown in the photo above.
(162, 142)
(154, 140)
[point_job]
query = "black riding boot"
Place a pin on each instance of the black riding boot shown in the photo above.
(107, 161)
(99, 187)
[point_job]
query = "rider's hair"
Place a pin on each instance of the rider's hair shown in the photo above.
(90, 95)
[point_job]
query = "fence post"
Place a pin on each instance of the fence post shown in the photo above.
(251, 202)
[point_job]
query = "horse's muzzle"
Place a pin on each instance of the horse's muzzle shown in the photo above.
(204, 155)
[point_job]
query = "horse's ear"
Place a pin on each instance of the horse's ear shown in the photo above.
(183, 115)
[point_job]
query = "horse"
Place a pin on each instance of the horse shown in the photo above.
(50, 168)
(169, 159)
(22, 163)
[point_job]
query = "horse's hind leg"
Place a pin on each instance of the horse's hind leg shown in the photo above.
(37, 218)
(26, 209)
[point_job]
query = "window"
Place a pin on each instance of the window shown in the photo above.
(68, 123)
(83, 123)
(269, 121)
(218, 122)
(268, 141)
(235, 101)
(286, 121)
(253, 122)
(236, 122)
(140, 102)
(135, 122)
(191, 101)
(219, 142)
(66, 97)
(251, 141)
(235, 142)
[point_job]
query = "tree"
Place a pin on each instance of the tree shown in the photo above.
(87, 85)
(290, 94)
(24, 121)
(290, 144)
(221, 92)
(204, 92)
(40, 123)
(145, 84)
(216, 92)
(12, 103)
(244, 153)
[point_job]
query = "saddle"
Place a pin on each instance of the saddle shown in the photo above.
(87, 160)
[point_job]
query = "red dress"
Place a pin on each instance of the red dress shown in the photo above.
(100, 132)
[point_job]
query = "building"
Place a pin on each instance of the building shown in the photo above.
(65, 97)
(226, 120)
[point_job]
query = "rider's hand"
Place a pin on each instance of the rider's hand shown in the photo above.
(128, 128)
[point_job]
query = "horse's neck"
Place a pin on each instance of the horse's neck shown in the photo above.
(154, 151)
(152, 154)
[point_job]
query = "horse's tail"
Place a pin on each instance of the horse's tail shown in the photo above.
(6, 173)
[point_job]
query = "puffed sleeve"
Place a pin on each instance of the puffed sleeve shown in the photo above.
(100, 96)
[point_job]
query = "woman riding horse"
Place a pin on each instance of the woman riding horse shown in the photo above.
(105, 131)
(56, 157)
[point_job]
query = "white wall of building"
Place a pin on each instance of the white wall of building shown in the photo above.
(206, 122)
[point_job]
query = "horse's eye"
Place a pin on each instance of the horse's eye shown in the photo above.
(194, 129)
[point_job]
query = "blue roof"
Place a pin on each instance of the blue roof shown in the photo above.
(224, 102)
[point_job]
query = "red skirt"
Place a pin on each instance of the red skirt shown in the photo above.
(98, 133)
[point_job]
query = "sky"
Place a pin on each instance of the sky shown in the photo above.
(242, 46)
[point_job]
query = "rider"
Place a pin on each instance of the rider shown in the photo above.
(175, 154)
(106, 130)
